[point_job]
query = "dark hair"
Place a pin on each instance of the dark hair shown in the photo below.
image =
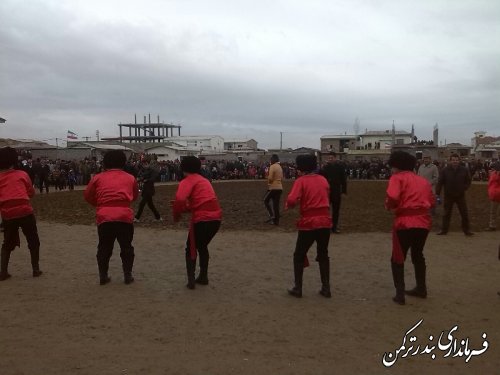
(274, 158)
(332, 153)
(402, 161)
(8, 157)
(114, 159)
(455, 155)
(306, 163)
(191, 164)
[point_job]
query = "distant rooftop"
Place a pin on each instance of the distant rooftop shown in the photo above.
(340, 136)
(386, 132)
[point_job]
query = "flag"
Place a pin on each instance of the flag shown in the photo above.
(71, 135)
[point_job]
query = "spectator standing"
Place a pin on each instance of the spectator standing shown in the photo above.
(334, 172)
(454, 179)
(274, 190)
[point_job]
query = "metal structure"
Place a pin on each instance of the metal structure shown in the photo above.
(147, 132)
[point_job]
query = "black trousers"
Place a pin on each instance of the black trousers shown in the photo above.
(30, 231)
(414, 239)
(109, 232)
(147, 199)
(273, 209)
(335, 200)
(204, 232)
(449, 201)
(43, 181)
(306, 239)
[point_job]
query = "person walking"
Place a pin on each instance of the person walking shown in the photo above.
(274, 190)
(454, 179)
(410, 197)
(334, 172)
(112, 192)
(148, 179)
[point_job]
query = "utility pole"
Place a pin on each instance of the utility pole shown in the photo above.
(281, 141)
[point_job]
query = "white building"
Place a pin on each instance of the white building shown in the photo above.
(165, 153)
(202, 143)
(383, 139)
(240, 144)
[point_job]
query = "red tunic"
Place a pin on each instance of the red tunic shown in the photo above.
(410, 197)
(494, 186)
(312, 191)
(15, 193)
(112, 192)
(196, 194)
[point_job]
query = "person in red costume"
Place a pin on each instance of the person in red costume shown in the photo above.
(410, 197)
(494, 195)
(311, 191)
(16, 190)
(111, 192)
(195, 194)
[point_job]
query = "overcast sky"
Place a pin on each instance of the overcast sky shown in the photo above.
(239, 68)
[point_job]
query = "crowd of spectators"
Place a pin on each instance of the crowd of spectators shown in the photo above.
(63, 174)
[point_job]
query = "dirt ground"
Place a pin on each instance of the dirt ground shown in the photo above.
(244, 322)
(242, 204)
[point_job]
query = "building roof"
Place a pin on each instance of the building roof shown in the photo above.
(457, 145)
(385, 132)
(187, 137)
(101, 146)
(339, 136)
(381, 151)
(241, 140)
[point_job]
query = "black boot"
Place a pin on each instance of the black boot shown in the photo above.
(35, 255)
(127, 265)
(298, 271)
(190, 269)
(421, 289)
(5, 257)
(324, 271)
(202, 278)
(103, 266)
(399, 282)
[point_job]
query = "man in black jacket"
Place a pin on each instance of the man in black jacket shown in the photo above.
(455, 179)
(334, 172)
(148, 178)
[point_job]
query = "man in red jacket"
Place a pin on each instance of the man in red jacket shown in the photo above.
(311, 191)
(111, 192)
(494, 194)
(410, 197)
(196, 195)
(16, 190)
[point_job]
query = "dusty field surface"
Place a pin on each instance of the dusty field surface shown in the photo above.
(362, 208)
(244, 322)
